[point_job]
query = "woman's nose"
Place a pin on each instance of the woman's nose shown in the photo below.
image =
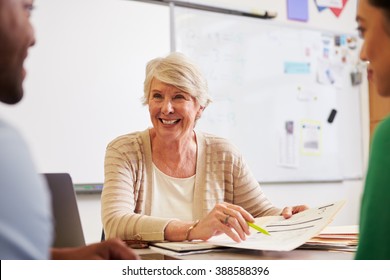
(363, 55)
(167, 107)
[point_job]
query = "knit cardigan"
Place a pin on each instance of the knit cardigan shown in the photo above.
(221, 176)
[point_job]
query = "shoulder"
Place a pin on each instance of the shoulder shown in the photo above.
(14, 150)
(383, 125)
(217, 141)
(29, 219)
(382, 134)
(9, 133)
(216, 144)
(129, 140)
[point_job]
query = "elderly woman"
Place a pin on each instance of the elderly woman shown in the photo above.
(171, 183)
(373, 18)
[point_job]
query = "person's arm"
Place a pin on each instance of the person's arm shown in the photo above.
(113, 249)
(252, 197)
(374, 226)
(123, 196)
(223, 218)
(248, 192)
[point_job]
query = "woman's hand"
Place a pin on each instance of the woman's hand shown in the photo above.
(291, 210)
(224, 218)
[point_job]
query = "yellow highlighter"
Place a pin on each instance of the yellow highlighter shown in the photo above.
(256, 227)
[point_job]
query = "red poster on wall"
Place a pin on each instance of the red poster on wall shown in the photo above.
(337, 11)
(325, 4)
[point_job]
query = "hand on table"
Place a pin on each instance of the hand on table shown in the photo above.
(224, 218)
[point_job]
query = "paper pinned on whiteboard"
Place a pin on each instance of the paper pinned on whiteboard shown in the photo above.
(330, 3)
(311, 139)
(288, 149)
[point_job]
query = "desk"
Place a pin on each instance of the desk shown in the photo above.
(239, 254)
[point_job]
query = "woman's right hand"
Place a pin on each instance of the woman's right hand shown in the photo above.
(224, 218)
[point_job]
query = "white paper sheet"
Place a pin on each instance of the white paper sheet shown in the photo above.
(330, 3)
(286, 234)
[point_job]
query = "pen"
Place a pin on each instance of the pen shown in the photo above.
(256, 227)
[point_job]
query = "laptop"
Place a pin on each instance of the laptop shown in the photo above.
(68, 229)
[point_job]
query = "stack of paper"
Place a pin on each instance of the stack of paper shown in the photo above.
(183, 248)
(285, 234)
(340, 238)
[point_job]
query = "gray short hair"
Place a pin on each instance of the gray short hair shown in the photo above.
(179, 71)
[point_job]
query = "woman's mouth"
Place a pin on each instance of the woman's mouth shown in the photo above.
(370, 74)
(169, 122)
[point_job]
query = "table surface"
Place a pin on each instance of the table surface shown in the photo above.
(241, 254)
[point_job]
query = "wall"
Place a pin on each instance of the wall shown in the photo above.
(85, 80)
(324, 20)
(147, 45)
(285, 194)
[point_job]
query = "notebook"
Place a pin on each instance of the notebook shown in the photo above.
(68, 229)
(186, 246)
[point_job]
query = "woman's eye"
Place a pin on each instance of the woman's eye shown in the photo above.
(157, 96)
(28, 8)
(361, 31)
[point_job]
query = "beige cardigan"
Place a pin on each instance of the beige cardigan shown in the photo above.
(221, 175)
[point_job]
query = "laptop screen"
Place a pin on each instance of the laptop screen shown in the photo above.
(68, 228)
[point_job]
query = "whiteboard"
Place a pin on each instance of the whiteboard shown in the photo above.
(85, 80)
(274, 87)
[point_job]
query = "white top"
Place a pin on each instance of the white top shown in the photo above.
(172, 197)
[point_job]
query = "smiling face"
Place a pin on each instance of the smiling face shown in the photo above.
(16, 36)
(375, 30)
(172, 111)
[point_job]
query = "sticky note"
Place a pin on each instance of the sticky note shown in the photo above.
(298, 10)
